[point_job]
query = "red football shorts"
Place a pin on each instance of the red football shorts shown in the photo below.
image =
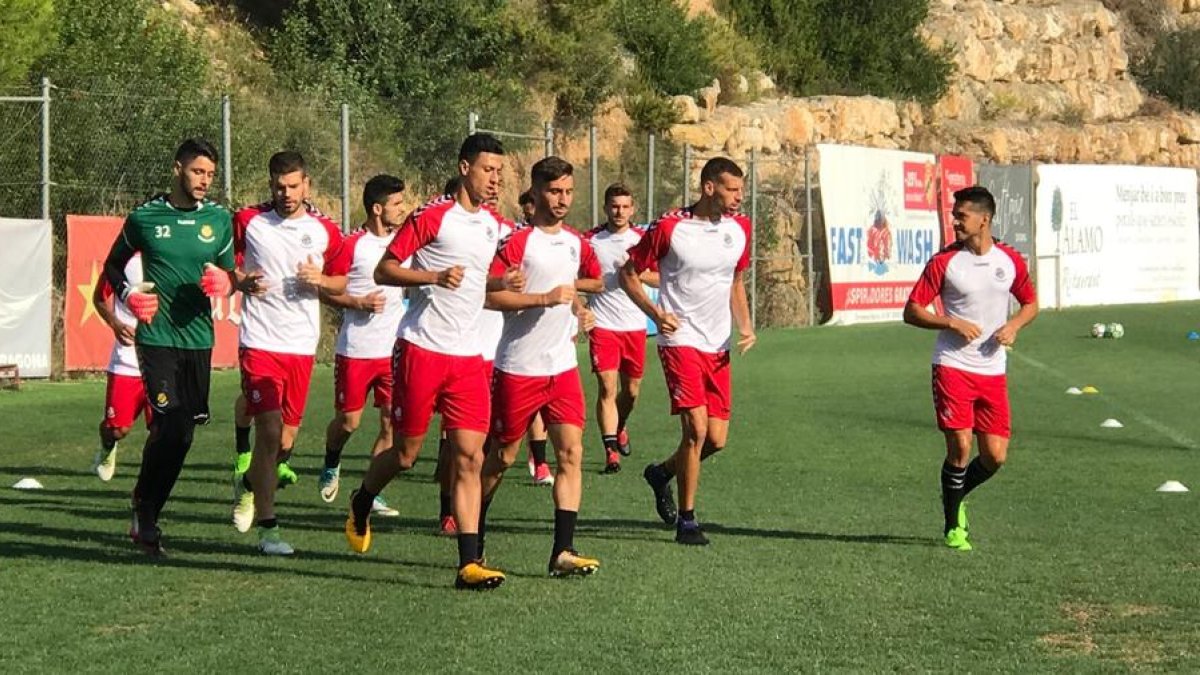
(425, 382)
(963, 400)
(696, 378)
(623, 350)
(519, 397)
(124, 400)
(353, 378)
(275, 381)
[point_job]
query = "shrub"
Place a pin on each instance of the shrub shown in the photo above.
(671, 50)
(1172, 68)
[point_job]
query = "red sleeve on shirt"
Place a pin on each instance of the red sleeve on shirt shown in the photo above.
(929, 286)
(106, 289)
(743, 262)
(511, 252)
(419, 228)
(344, 256)
(241, 223)
(1022, 287)
(336, 264)
(589, 264)
(654, 245)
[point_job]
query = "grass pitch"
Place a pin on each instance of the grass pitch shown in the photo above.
(824, 514)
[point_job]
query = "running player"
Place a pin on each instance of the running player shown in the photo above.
(186, 242)
(288, 254)
(618, 342)
(538, 437)
(370, 316)
(536, 369)
(974, 277)
(125, 395)
(438, 361)
(702, 252)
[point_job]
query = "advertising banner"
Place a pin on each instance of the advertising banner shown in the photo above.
(881, 222)
(955, 173)
(88, 339)
(1116, 234)
(1012, 186)
(25, 295)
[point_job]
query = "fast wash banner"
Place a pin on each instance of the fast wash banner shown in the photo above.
(25, 266)
(954, 174)
(881, 223)
(1012, 186)
(1116, 234)
(88, 339)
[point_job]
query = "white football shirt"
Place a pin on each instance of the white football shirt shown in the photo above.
(975, 288)
(365, 334)
(491, 322)
(697, 259)
(438, 236)
(123, 360)
(287, 318)
(613, 308)
(541, 341)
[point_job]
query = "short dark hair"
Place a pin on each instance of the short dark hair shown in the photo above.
(979, 196)
(191, 148)
(379, 189)
(452, 185)
(616, 190)
(525, 198)
(287, 161)
(716, 166)
(549, 169)
(479, 142)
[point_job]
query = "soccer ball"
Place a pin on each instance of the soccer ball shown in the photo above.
(1116, 330)
(1098, 330)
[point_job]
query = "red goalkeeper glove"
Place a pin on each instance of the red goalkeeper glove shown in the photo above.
(142, 301)
(215, 281)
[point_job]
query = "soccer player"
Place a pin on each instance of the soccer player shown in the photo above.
(536, 369)
(288, 255)
(539, 439)
(370, 317)
(618, 342)
(438, 360)
(702, 252)
(974, 277)
(186, 245)
(125, 395)
(526, 203)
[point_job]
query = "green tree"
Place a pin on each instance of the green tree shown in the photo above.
(26, 32)
(671, 50)
(1172, 68)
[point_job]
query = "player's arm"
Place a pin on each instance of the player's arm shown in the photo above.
(1007, 334)
(512, 301)
(631, 283)
(392, 272)
(740, 307)
(124, 246)
(589, 285)
(650, 278)
(102, 300)
(916, 314)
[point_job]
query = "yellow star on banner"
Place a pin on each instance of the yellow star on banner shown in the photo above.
(86, 290)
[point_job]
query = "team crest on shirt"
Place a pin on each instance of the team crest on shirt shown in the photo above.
(255, 396)
(1000, 274)
(728, 240)
(306, 240)
(110, 413)
(206, 234)
(161, 399)
(574, 254)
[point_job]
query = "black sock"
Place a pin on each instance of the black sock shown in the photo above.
(621, 419)
(977, 474)
(332, 457)
(108, 443)
(361, 504)
(564, 531)
(952, 493)
(663, 471)
(242, 436)
(483, 509)
(284, 456)
(447, 505)
(468, 548)
(246, 482)
(610, 443)
(538, 450)
(268, 523)
(688, 516)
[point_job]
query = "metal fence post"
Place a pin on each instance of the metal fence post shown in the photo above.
(227, 149)
(808, 228)
(46, 148)
(754, 238)
(593, 167)
(650, 177)
(472, 122)
(549, 142)
(345, 167)
(687, 174)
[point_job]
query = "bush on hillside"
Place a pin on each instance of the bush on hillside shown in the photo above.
(671, 51)
(1172, 68)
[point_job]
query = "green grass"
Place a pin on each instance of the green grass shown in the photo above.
(824, 514)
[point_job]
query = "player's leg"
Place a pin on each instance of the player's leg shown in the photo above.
(284, 474)
(693, 424)
(241, 434)
(565, 417)
(633, 367)
(684, 371)
(446, 476)
(124, 399)
(263, 387)
(539, 468)
(606, 418)
(992, 430)
(953, 401)
(337, 433)
(516, 401)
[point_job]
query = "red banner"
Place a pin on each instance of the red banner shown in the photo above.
(868, 295)
(955, 173)
(919, 186)
(88, 339)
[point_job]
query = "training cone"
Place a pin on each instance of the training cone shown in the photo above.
(1111, 423)
(1089, 390)
(1194, 335)
(1172, 486)
(1074, 391)
(28, 484)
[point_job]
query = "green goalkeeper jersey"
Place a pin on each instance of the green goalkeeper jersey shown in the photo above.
(175, 245)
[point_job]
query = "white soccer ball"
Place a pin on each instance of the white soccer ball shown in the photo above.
(1116, 331)
(1098, 330)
